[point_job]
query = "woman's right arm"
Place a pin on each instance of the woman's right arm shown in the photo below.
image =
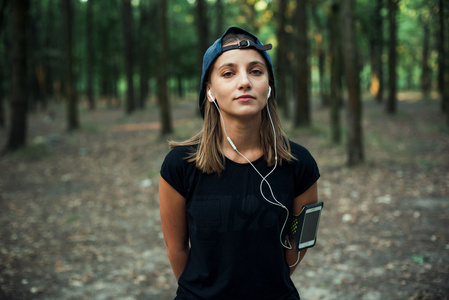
(174, 226)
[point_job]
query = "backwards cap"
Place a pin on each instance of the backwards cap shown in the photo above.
(217, 49)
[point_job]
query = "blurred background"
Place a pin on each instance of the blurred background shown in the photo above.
(90, 90)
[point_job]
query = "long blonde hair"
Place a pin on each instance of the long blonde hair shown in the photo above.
(207, 152)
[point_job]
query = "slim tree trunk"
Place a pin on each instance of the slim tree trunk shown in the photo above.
(425, 69)
(201, 27)
(378, 50)
(90, 55)
(219, 18)
(302, 115)
(376, 46)
(443, 72)
(144, 51)
(72, 111)
(350, 51)
(162, 79)
(18, 128)
(391, 105)
(336, 72)
(321, 56)
(129, 58)
(2, 72)
(281, 89)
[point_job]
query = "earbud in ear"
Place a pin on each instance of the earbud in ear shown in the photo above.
(210, 96)
(269, 92)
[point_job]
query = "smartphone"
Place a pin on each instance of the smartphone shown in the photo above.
(304, 227)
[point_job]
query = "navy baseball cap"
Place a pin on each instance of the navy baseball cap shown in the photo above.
(217, 49)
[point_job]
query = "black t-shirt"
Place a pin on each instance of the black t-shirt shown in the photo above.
(234, 233)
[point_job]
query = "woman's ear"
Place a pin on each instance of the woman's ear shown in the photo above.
(209, 96)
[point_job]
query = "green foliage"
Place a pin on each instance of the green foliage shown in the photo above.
(259, 16)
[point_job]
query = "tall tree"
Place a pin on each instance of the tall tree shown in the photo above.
(127, 18)
(391, 104)
(443, 57)
(90, 55)
(318, 37)
(18, 128)
(302, 113)
(162, 71)
(281, 58)
(201, 28)
(144, 51)
(2, 73)
(425, 68)
(219, 27)
(378, 45)
(336, 71)
(351, 66)
(69, 90)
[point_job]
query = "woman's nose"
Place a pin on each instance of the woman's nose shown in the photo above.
(244, 81)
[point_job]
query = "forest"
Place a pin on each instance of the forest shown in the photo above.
(128, 53)
(91, 90)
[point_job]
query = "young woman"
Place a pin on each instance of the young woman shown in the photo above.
(226, 193)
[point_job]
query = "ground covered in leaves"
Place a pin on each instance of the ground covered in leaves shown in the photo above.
(79, 212)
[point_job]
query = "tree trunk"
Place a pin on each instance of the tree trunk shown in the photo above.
(201, 28)
(128, 40)
(164, 103)
(425, 69)
(391, 105)
(2, 72)
(18, 128)
(49, 42)
(302, 115)
(443, 72)
(90, 56)
(144, 50)
(281, 88)
(351, 66)
(336, 72)
(378, 42)
(72, 112)
(219, 18)
(321, 56)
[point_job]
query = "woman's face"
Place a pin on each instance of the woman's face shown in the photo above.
(239, 82)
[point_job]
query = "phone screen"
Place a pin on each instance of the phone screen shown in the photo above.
(309, 227)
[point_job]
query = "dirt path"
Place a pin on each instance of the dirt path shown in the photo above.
(79, 212)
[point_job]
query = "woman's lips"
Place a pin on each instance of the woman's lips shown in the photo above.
(245, 98)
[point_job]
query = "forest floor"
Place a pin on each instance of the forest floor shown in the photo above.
(79, 214)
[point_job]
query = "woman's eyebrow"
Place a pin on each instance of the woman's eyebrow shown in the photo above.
(253, 63)
(256, 62)
(226, 65)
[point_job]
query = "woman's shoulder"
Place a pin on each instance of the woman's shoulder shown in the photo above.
(180, 151)
(179, 154)
(299, 151)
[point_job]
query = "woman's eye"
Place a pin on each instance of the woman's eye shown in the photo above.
(227, 74)
(256, 72)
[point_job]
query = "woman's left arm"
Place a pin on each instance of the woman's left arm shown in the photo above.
(308, 197)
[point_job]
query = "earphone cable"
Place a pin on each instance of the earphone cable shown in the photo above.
(264, 178)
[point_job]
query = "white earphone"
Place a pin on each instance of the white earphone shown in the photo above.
(210, 96)
(264, 178)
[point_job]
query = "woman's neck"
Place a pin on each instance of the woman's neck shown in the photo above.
(245, 135)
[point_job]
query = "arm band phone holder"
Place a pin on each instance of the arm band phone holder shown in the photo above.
(304, 227)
